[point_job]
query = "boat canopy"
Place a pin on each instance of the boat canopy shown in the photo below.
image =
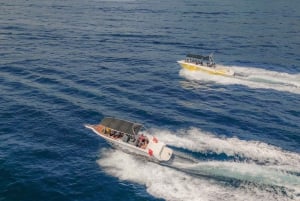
(197, 56)
(121, 125)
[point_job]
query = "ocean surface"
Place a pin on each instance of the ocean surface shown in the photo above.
(67, 63)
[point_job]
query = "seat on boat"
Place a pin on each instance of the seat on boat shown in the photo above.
(132, 139)
(125, 138)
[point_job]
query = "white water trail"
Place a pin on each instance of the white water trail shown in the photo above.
(173, 184)
(268, 173)
(252, 151)
(251, 77)
(249, 172)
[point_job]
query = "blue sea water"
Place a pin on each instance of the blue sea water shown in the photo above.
(67, 63)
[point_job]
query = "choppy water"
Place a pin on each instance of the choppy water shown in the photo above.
(66, 63)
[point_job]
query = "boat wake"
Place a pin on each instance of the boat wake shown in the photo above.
(238, 150)
(258, 171)
(251, 77)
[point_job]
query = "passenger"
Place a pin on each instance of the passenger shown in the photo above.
(116, 135)
(139, 144)
(112, 132)
(139, 141)
(107, 131)
(120, 134)
(142, 137)
(144, 144)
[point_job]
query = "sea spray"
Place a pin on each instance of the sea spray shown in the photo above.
(259, 152)
(250, 77)
(174, 184)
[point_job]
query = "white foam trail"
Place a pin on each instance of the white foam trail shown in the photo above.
(171, 184)
(199, 141)
(251, 77)
(244, 172)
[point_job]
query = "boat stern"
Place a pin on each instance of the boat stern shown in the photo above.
(166, 153)
(159, 150)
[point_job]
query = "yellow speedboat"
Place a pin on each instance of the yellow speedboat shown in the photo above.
(206, 64)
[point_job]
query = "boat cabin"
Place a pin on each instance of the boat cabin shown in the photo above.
(201, 60)
(124, 130)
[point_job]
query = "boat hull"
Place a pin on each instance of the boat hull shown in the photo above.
(210, 70)
(131, 150)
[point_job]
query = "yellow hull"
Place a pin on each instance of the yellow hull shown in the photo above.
(209, 70)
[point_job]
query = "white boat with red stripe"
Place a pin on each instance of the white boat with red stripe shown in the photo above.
(126, 135)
